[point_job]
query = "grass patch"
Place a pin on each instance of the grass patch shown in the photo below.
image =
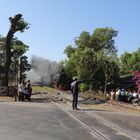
(42, 89)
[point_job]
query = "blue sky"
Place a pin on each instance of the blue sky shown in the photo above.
(55, 23)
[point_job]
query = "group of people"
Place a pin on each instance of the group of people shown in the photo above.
(25, 91)
(116, 95)
(124, 95)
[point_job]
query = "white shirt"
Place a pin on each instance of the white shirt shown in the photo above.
(21, 88)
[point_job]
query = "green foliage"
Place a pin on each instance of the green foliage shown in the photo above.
(69, 51)
(84, 40)
(64, 79)
(110, 67)
(2, 51)
(22, 25)
(103, 38)
(18, 49)
(91, 54)
(83, 87)
(130, 62)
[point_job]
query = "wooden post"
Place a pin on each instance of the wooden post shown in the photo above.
(18, 77)
(19, 67)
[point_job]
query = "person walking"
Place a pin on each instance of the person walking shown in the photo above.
(74, 91)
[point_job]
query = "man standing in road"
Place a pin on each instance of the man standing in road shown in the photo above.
(74, 91)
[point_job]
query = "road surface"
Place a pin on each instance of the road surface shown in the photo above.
(56, 121)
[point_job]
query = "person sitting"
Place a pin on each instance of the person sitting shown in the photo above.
(22, 91)
(130, 96)
(135, 94)
(28, 90)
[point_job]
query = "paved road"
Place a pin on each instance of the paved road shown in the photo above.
(49, 121)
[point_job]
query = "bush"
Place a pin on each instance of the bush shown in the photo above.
(83, 87)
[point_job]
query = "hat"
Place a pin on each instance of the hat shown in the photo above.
(75, 78)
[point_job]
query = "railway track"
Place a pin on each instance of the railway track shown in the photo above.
(115, 127)
(94, 131)
(56, 100)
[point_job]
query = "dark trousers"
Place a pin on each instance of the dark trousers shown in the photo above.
(21, 96)
(74, 101)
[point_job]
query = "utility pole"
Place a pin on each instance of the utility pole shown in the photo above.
(19, 71)
(18, 77)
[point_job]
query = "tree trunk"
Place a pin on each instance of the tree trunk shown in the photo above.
(7, 45)
(105, 88)
(106, 80)
(8, 58)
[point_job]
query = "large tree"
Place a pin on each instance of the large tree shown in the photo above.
(85, 59)
(18, 50)
(2, 51)
(17, 23)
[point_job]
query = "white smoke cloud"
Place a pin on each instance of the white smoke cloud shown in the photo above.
(42, 70)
